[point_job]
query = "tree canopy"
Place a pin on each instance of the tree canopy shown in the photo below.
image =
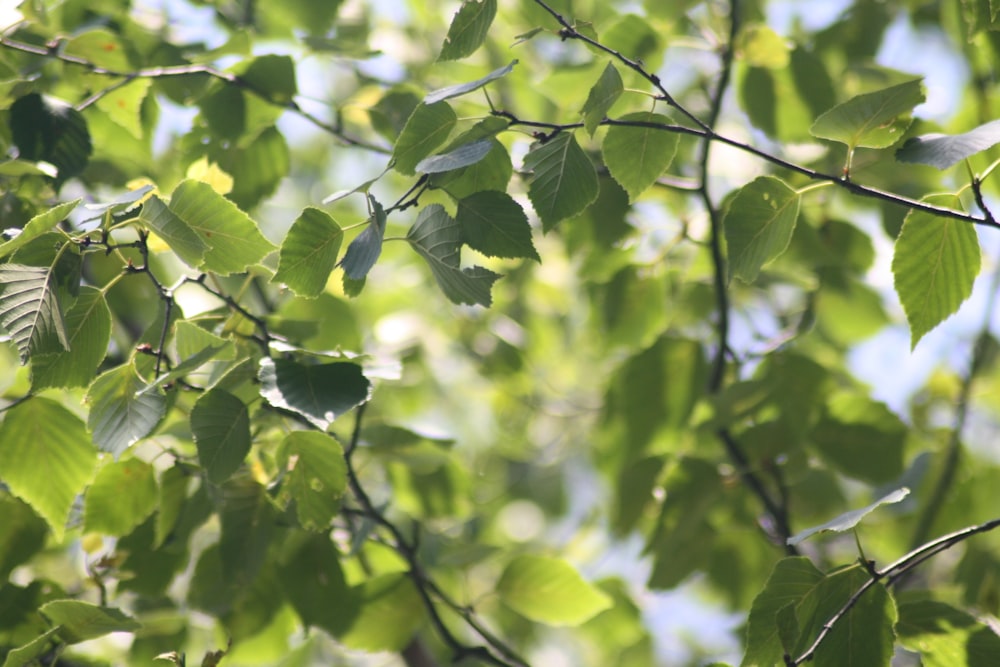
(394, 332)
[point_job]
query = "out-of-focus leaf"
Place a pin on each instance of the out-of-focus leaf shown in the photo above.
(315, 477)
(464, 88)
(79, 621)
(220, 424)
(637, 155)
(468, 29)
(601, 98)
(122, 495)
(943, 150)
(550, 591)
(849, 520)
(46, 129)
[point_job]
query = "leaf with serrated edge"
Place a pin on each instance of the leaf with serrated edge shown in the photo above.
(437, 237)
(316, 477)
(37, 226)
(869, 120)
(119, 415)
(309, 253)
(468, 29)
(563, 181)
(849, 520)
(364, 250)
(29, 309)
(601, 98)
(464, 88)
(176, 233)
(220, 424)
(426, 129)
(320, 392)
(122, 495)
(88, 330)
(233, 239)
(934, 265)
(46, 458)
(944, 150)
(495, 225)
(759, 225)
(637, 155)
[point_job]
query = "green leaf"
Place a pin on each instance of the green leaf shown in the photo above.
(122, 495)
(46, 129)
(437, 237)
(233, 239)
(390, 613)
(493, 172)
(366, 247)
(220, 424)
(871, 120)
(495, 225)
(463, 156)
(945, 636)
(934, 265)
(29, 308)
(190, 361)
(427, 128)
(550, 591)
(760, 46)
(124, 105)
(320, 392)
(81, 620)
(848, 520)
(174, 231)
(468, 29)
(88, 331)
(465, 88)
(29, 653)
(309, 253)
(790, 581)
(637, 156)
(315, 477)
(861, 437)
(46, 458)
(247, 518)
(173, 489)
(38, 225)
(120, 416)
(759, 225)
(944, 150)
(562, 181)
(22, 534)
(601, 98)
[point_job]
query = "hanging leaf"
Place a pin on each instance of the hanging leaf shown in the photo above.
(427, 128)
(495, 225)
(637, 155)
(315, 477)
(934, 265)
(175, 232)
(464, 88)
(320, 392)
(550, 591)
(29, 308)
(46, 129)
(120, 415)
(46, 458)
(309, 253)
(122, 495)
(88, 331)
(601, 98)
(562, 181)
(463, 156)
(861, 438)
(943, 150)
(366, 247)
(790, 581)
(233, 240)
(871, 120)
(759, 225)
(437, 237)
(468, 29)
(220, 424)
(38, 225)
(848, 520)
(79, 621)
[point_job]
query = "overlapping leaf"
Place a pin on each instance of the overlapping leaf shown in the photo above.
(29, 308)
(562, 181)
(427, 128)
(636, 155)
(601, 98)
(495, 225)
(319, 392)
(120, 413)
(759, 225)
(437, 237)
(873, 120)
(88, 331)
(468, 29)
(220, 423)
(315, 478)
(122, 495)
(309, 253)
(944, 150)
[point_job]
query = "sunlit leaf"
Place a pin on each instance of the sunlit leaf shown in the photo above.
(38, 225)
(550, 591)
(468, 29)
(935, 263)
(465, 88)
(80, 621)
(601, 98)
(119, 415)
(849, 520)
(309, 253)
(121, 496)
(759, 225)
(562, 181)
(88, 330)
(873, 120)
(637, 155)
(29, 308)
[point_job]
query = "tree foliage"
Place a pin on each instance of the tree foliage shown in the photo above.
(460, 333)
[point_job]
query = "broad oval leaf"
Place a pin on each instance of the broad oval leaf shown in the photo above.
(944, 150)
(601, 98)
(550, 591)
(860, 437)
(38, 225)
(88, 330)
(309, 253)
(426, 129)
(463, 156)
(563, 181)
(759, 225)
(50, 130)
(319, 392)
(437, 237)
(790, 581)
(174, 231)
(121, 413)
(29, 307)
(80, 621)
(220, 424)
(934, 265)
(871, 120)
(849, 520)
(46, 458)
(468, 29)
(465, 88)
(636, 155)
(495, 225)
(122, 495)
(315, 477)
